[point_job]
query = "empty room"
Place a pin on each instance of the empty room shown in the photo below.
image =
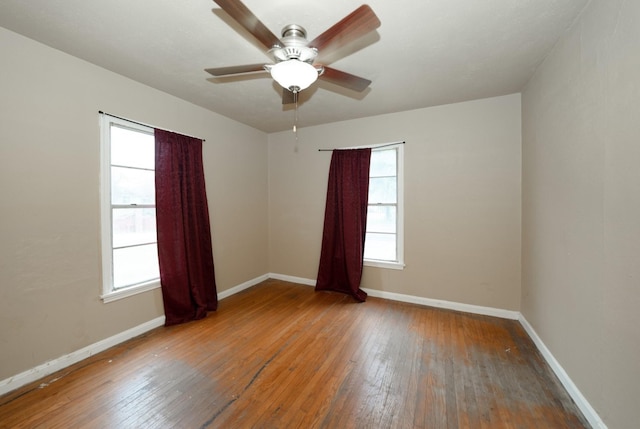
(294, 214)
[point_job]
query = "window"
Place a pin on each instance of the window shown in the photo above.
(129, 242)
(384, 240)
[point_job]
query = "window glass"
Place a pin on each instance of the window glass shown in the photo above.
(381, 219)
(132, 186)
(380, 247)
(133, 265)
(133, 226)
(132, 148)
(382, 190)
(383, 163)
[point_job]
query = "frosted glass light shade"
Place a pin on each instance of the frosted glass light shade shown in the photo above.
(294, 75)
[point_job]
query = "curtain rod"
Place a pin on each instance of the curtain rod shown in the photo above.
(146, 125)
(363, 147)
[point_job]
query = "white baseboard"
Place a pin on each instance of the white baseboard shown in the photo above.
(239, 288)
(449, 305)
(54, 365)
(467, 308)
(292, 279)
(590, 414)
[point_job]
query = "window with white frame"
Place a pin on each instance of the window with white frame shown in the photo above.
(384, 236)
(129, 241)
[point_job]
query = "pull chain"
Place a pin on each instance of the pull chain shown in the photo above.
(295, 121)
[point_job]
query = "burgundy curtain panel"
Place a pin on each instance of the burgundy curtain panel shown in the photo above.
(345, 223)
(184, 233)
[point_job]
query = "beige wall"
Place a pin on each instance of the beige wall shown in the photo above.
(462, 199)
(581, 207)
(50, 278)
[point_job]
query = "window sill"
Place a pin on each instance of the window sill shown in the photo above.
(130, 291)
(384, 264)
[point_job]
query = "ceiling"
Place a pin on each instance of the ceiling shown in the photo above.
(425, 53)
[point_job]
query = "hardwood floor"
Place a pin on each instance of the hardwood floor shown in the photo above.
(280, 355)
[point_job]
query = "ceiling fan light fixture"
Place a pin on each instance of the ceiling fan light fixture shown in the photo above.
(294, 75)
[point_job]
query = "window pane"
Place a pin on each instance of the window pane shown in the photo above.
(132, 186)
(383, 163)
(132, 148)
(133, 265)
(382, 190)
(381, 219)
(380, 246)
(133, 226)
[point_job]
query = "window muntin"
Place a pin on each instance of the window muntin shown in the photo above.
(383, 243)
(130, 252)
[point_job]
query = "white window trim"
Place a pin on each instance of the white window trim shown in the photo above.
(399, 264)
(115, 295)
(108, 293)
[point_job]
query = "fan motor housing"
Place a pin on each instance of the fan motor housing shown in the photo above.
(294, 38)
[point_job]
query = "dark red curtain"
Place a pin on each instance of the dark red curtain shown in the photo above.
(184, 233)
(345, 223)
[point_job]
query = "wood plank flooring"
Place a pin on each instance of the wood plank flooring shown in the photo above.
(280, 355)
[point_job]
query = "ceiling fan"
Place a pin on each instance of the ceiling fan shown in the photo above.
(293, 56)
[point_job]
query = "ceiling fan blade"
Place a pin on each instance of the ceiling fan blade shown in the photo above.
(233, 70)
(238, 11)
(358, 23)
(288, 97)
(344, 79)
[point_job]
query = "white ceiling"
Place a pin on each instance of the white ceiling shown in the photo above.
(425, 53)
